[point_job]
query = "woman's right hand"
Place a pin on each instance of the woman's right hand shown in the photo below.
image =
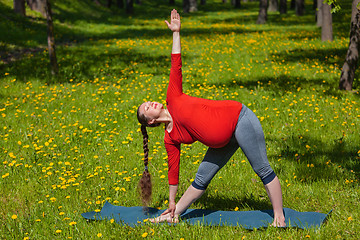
(175, 23)
(171, 209)
(167, 216)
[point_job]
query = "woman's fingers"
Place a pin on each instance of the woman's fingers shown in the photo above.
(166, 212)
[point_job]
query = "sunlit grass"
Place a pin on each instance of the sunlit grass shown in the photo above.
(72, 142)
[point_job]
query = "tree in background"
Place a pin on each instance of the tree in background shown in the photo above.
(38, 6)
(51, 38)
(19, 7)
(319, 13)
(273, 6)
(326, 26)
(129, 6)
(189, 6)
(262, 17)
(236, 3)
(283, 7)
(44, 7)
(352, 56)
(300, 7)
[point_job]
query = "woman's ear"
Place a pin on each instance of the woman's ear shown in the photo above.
(150, 122)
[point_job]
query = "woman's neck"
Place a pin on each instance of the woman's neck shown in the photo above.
(166, 118)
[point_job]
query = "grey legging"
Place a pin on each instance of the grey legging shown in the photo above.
(250, 137)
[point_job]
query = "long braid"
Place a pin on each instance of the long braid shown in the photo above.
(145, 181)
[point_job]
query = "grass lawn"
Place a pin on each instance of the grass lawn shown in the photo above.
(71, 142)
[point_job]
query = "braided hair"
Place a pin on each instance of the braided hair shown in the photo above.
(145, 181)
(145, 185)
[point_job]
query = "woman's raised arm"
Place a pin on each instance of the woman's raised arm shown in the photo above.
(175, 26)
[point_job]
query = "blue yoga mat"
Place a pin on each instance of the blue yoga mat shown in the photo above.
(132, 216)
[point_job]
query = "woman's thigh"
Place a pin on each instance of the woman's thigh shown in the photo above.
(214, 160)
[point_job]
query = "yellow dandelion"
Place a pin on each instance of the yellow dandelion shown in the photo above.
(162, 176)
(350, 219)
(236, 209)
(58, 231)
(14, 216)
(72, 223)
(144, 235)
(99, 235)
(5, 175)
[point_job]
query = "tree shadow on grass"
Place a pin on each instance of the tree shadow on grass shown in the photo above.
(276, 85)
(87, 62)
(220, 202)
(321, 160)
(320, 56)
(18, 30)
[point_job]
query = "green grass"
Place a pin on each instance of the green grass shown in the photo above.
(71, 142)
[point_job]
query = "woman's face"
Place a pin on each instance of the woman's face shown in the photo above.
(151, 110)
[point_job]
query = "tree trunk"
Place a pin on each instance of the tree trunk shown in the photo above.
(326, 28)
(283, 6)
(193, 6)
(352, 55)
(319, 16)
(38, 6)
(19, 7)
(120, 3)
(129, 7)
(51, 39)
(236, 3)
(262, 17)
(109, 3)
(292, 4)
(97, 2)
(186, 6)
(273, 6)
(300, 7)
(189, 6)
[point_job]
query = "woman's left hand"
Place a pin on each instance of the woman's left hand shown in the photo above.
(175, 23)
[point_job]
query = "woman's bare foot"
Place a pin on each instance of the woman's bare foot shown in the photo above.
(164, 218)
(279, 222)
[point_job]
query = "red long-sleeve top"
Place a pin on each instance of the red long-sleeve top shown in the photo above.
(195, 119)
